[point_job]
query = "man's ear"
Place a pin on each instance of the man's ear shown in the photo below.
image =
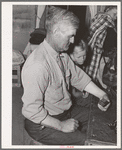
(56, 31)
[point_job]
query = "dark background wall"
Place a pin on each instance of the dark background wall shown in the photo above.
(23, 25)
(80, 11)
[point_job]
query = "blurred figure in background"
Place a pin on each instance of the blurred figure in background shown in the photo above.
(103, 24)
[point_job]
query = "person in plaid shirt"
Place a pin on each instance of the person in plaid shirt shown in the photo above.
(97, 35)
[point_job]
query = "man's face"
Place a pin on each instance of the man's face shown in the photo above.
(64, 38)
(79, 55)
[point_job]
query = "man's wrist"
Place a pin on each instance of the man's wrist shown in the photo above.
(60, 126)
(103, 96)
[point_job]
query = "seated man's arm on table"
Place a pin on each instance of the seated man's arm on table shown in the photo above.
(94, 90)
(82, 81)
(104, 101)
(35, 84)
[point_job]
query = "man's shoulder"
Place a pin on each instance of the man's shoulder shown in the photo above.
(39, 55)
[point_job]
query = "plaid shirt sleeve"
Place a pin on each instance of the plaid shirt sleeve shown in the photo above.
(96, 40)
(92, 70)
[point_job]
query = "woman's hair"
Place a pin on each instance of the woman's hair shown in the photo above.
(107, 8)
(57, 16)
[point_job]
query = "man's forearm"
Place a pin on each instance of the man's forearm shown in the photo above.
(95, 90)
(52, 123)
(69, 125)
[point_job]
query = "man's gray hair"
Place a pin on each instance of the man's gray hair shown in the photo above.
(58, 16)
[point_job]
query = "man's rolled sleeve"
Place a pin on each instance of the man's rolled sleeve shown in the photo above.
(35, 82)
(79, 78)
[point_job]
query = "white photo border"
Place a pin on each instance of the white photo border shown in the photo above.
(6, 51)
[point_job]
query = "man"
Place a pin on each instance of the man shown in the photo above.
(46, 77)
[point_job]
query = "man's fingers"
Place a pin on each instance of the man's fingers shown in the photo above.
(76, 125)
(76, 121)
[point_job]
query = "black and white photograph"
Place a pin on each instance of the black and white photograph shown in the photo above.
(61, 75)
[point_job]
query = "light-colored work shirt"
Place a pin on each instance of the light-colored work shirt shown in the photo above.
(46, 90)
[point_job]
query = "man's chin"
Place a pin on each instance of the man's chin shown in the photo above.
(65, 48)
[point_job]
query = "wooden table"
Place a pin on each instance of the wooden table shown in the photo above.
(99, 132)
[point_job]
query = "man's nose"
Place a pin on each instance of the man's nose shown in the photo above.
(72, 40)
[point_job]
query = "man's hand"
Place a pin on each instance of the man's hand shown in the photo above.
(104, 103)
(69, 125)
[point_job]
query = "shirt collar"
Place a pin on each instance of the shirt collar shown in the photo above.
(51, 51)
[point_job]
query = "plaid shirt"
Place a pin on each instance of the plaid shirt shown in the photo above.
(97, 34)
